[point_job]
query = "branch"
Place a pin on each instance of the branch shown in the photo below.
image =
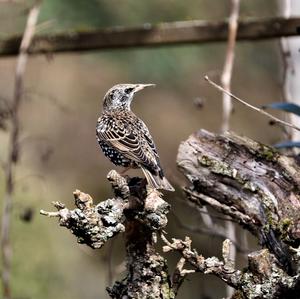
(11, 1)
(14, 148)
(261, 279)
(140, 215)
(250, 182)
(229, 60)
(149, 35)
(92, 225)
(273, 118)
(212, 265)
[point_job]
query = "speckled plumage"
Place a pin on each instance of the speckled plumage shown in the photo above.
(125, 139)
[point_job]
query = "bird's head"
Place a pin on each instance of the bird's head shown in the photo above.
(121, 95)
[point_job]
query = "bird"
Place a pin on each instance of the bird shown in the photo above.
(125, 139)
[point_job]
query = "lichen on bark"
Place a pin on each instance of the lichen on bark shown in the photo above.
(138, 213)
(258, 188)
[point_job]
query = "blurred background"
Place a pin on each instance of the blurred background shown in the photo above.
(62, 101)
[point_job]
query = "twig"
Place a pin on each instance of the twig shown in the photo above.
(227, 104)
(275, 119)
(49, 214)
(286, 52)
(179, 274)
(231, 234)
(10, 1)
(229, 60)
(14, 149)
(222, 269)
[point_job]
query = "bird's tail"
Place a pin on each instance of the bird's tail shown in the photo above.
(156, 182)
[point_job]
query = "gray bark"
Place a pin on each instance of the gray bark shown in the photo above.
(137, 213)
(258, 188)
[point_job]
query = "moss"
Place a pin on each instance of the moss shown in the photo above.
(285, 223)
(270, 219)
(283, 227)
(267, 152)
(166, 291)
(270, 223)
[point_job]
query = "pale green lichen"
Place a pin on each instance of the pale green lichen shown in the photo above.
(218, 167)
(205, 160)
(284, 227)
(166, 291)
(250, 186)
(285, 223)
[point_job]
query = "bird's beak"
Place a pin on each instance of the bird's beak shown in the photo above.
(142, 86)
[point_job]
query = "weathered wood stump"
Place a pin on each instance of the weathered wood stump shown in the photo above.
(258, 188)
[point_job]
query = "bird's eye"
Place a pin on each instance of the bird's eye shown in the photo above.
(129, 90)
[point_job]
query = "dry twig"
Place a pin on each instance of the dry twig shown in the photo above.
(14, 149)
(275, 119)
(222, 269)
(11, 1)
(229, 60)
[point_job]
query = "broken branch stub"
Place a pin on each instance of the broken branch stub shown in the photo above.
(95, 224)
(92, 225)
(137, 213)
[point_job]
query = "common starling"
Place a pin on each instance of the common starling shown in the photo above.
(125, 139)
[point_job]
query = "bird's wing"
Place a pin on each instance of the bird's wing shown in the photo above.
(149, 140)
(134, 142)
